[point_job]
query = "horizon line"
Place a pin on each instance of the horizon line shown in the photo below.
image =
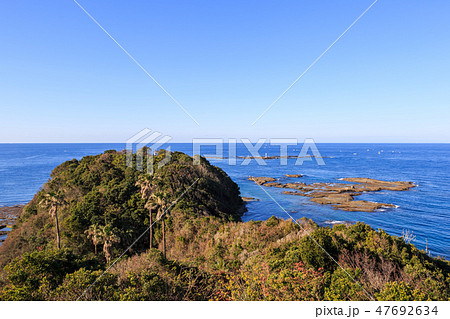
(225, 142)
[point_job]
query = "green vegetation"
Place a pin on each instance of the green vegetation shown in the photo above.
(199, 249)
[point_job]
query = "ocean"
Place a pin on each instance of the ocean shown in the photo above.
(423, 210)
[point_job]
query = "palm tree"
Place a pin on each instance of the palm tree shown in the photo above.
(95, 234)
(160, 202)
(147, 190)
(109, 238)
(52, 201)
(150, 206)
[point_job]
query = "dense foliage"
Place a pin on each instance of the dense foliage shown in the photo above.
(203, 252)
(102, 192)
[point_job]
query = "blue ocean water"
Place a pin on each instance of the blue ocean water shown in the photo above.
(424, 210)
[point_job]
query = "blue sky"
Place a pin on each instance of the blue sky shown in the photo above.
(63, 80)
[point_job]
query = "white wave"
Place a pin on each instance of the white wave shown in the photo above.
(334, 222)
(31, 157)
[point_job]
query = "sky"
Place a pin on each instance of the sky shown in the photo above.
(62, 79)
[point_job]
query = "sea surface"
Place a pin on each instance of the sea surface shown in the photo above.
(423, 210)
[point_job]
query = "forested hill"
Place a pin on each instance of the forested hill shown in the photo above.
(92, 210)
(101, 191)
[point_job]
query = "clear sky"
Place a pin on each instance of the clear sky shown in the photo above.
(62, 79)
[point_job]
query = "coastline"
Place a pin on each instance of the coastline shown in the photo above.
(8, 218)
(424, 203)
(202, 250)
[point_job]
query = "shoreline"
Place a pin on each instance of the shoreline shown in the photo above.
(9, 214)
(8, 218)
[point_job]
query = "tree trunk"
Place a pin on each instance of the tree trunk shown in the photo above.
(95, 249)
(151, 229)
(164, 237)
(58, 241)
(106, 247)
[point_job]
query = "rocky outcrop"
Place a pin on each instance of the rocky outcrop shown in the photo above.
(9, 215)
(294, 175)
(278, 157)
(372, 185)
(274, 184)
(261, 180)
(267, 157)
(341, 195)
